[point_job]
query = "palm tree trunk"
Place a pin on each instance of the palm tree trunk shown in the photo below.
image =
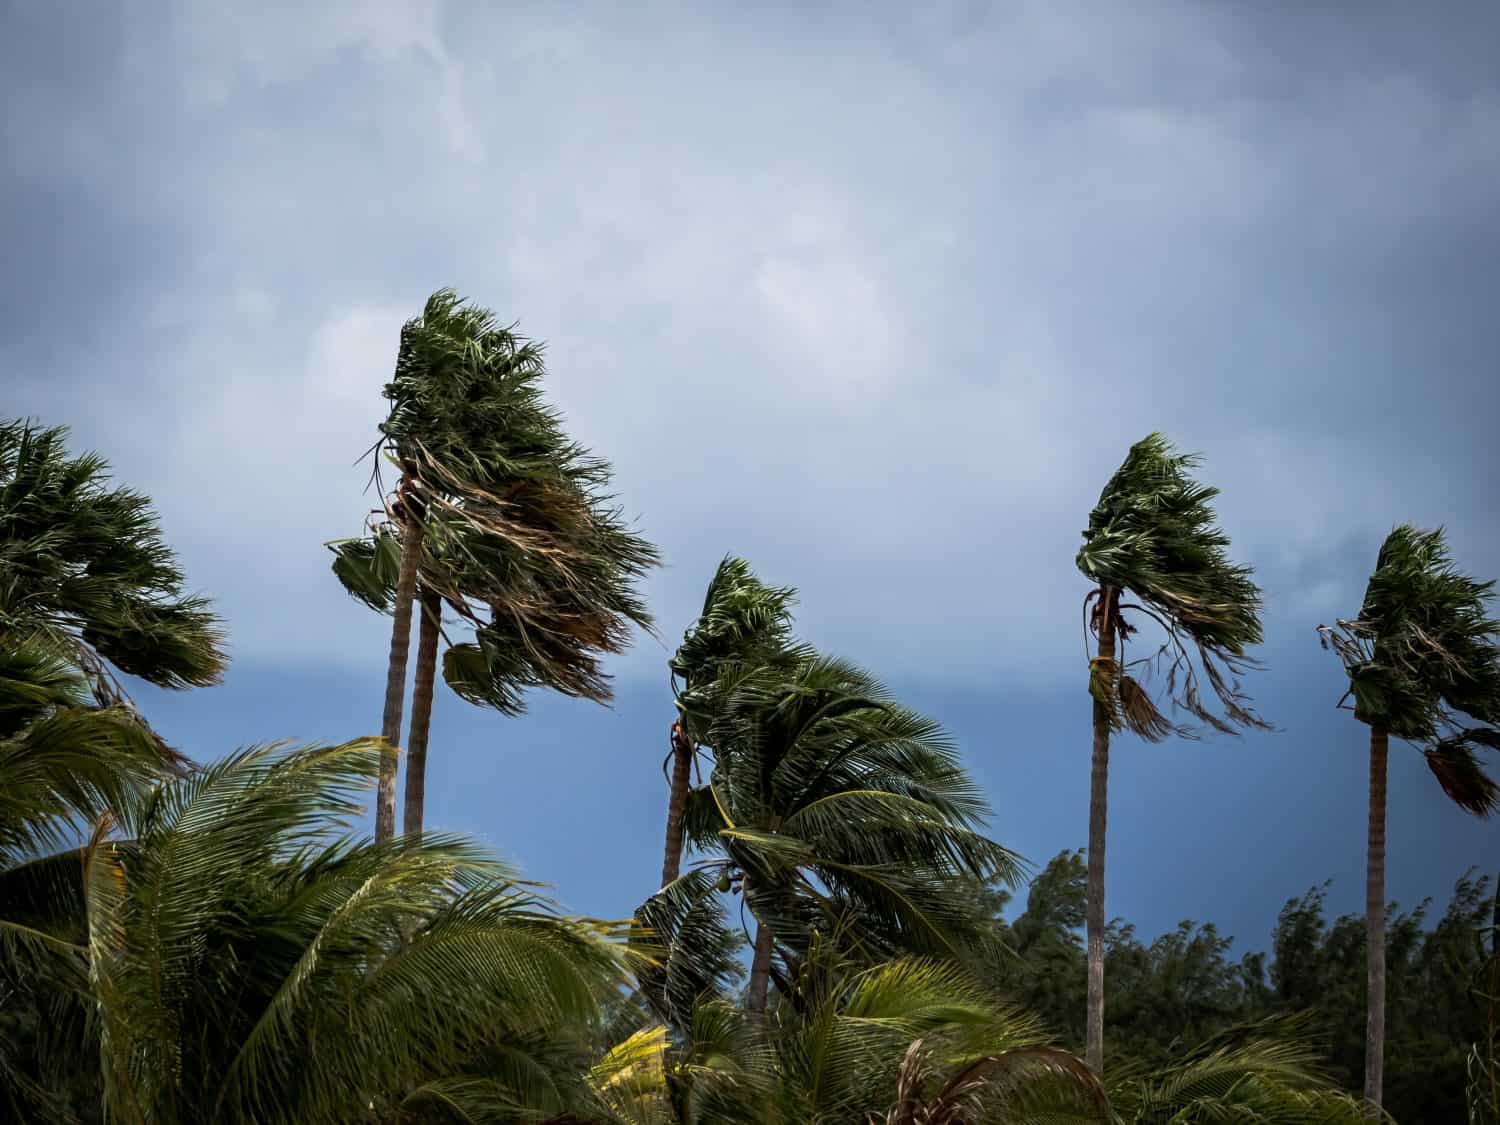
(395, 678)
(682, 767)
(421, 715)
(1098, 810)
(1375, 921)
(760, 968)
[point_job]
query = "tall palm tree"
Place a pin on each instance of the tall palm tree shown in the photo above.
(1152, 536)
(249, 961)
(829, 800)
(85, 574)
(516, 512)
(743, 621)
(1423, 664)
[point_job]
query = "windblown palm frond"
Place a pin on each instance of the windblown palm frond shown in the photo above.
(238, 935)
(1265, 1073)
(858, 1044)
(1423, 661)
(835, 801)
(84, 571)
(686, 951)
(1153, 535)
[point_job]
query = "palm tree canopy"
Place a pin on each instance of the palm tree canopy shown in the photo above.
(1423, 660)
(239, 933)
(744, 621)
(84, 570)
(518, 535)
(1153, 534)
(830, 804)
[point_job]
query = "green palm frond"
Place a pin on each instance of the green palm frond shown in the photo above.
(85, 573)
(687, 950)
(1154, 535)
(835, 802)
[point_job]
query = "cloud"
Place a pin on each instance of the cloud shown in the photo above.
(876, 299)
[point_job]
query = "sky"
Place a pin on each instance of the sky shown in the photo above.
(874, 296)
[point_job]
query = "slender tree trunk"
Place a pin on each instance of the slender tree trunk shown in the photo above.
(421, 715)
(682, 768)
(1375, 921)
(395, 678)
(760, 968)
(1098, 810)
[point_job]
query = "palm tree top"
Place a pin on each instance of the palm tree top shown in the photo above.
(1423, 660)
(740, 613)
(745, 622)
(88, 573)
(1154, 533)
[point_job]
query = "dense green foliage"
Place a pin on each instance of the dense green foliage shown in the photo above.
(1185, 986)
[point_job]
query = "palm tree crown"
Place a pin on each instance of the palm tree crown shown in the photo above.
(1153, 534)
(830, 804)
(744, 621)
(1423, 661)
(84, 571)
(531, 530)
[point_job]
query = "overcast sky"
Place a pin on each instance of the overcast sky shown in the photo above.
(877, 298)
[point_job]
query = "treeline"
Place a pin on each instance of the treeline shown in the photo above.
(1186, 985)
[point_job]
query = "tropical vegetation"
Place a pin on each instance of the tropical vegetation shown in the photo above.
(200, 938)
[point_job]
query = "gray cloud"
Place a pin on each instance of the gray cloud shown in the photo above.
(877, 299)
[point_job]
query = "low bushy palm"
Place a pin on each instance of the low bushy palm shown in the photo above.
(250, 962)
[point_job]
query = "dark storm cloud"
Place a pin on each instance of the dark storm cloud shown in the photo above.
(877, 297)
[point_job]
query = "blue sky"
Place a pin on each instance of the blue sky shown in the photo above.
(875, 297)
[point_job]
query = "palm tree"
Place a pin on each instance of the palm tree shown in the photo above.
(1152, 536)
(1423, 664)
(829, 800)
(84, 572)
(743, 622)
(511, 511)
(64, 762)
(237, 935)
